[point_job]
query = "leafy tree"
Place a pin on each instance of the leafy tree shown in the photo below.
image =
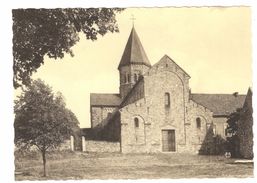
(208, 142)
(212, 144)
(52, 32)
(232, 121)
(232, 139)
(41, 119)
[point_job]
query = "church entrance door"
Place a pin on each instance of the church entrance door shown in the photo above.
(168, 141)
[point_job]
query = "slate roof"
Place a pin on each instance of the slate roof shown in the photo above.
(219, 104)
(105, 99)
(134, 52)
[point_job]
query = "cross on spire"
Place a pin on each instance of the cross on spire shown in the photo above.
(132, 18)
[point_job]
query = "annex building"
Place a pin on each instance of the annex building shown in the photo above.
(154, 110)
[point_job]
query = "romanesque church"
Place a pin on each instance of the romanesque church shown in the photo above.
(154, 110)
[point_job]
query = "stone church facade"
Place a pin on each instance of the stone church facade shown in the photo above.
(155, 110)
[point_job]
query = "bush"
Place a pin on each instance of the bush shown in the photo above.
(212, 145)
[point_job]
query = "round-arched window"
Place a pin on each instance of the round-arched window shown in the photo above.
(136, 122)
(167, 99)
(125, 78)
(198, 122)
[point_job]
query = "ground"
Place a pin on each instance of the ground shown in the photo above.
(78, 165)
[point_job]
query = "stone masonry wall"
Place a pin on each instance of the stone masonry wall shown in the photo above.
(99, 114)
(195, 136)
(151, 111)
(135, 139)
(154, 116)
(129, 71)
(101, 146)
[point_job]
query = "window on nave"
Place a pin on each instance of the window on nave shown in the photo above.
(167, 99)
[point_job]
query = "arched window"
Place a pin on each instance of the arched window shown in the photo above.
(136, 122)
(214, 129)
(167, 99)
(125, 78)
(135, 77)
(198, 122)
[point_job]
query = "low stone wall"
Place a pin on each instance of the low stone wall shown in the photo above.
(67, 144)
(101, 146)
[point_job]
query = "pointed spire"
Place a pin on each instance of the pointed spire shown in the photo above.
(133, 19)
(134, 52)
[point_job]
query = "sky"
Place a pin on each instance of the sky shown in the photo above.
(213, 45)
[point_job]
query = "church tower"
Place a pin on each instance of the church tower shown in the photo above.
(133, 63)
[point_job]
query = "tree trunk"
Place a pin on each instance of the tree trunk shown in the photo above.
(44, 161)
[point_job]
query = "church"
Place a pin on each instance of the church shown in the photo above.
(155, 110)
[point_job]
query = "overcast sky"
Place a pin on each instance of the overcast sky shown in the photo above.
(213, 45)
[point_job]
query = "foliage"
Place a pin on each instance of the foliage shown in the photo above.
(52, 32)
(41, 119)
(219, 145)
(212, 144)
(232, 121)
(232, 139)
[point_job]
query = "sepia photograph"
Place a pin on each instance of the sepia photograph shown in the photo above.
(132, 93)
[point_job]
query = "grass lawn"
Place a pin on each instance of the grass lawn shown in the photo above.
(78, 165)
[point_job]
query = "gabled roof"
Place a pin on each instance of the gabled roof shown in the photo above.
(219, 104)
(134, 52)
(104, 99)
(167, 59)
(171, 60)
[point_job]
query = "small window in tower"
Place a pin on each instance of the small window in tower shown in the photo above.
(128, 78)
(135, 77)
(136, 122)
(125, 78)
(198, 122)
(167, 99)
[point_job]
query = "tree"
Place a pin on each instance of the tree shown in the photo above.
(232, 128)
(52, 32)
(41, 119)
(232, 121)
